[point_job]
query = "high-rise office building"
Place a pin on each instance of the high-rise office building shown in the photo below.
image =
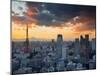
(53, 44)
(87, 41)
(93, 42)
(81, 41)
(77, 46)
(59, 45)
(85, 48)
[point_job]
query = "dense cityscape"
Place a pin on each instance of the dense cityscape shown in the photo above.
(54, 56)
(52, 37)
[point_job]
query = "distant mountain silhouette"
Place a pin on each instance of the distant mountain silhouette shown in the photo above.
(30, 39)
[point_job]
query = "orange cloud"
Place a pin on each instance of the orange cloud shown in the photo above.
(32, 11)
(20, 21)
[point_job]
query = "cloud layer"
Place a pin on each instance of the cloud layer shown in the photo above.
(56, 15)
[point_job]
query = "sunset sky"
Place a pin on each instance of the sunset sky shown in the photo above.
(47, 20)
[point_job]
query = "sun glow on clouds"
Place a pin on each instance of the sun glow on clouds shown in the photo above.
(46, 21)
(47, 33)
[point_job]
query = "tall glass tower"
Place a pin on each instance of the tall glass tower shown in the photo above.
(59, 46)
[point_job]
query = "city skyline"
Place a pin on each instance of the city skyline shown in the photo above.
(46, 20)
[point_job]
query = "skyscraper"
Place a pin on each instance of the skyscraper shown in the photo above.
(85, 49)
(87, 41)
(59, 45)
(53, 44)
(77, 46)
(93, 42)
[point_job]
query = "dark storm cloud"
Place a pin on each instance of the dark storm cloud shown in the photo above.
(87, 17)
(20, 8)
(58, 15)
(23, 20)
(13, 13)
(87, 23)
